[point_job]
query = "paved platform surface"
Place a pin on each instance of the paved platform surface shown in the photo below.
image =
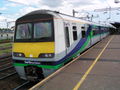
(105, 75)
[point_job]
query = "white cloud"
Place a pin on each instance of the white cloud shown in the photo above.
(3, 8)
(64, 6)
(26, 10)
(6, 19)
(11, 5)
(2, 18)
(2, 21)
(27, 2)
(52, 3)
(56, 4)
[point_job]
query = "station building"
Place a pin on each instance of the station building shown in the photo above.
(6, 34)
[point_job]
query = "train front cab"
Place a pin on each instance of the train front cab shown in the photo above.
(34, 45)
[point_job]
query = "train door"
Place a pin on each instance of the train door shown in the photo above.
(84, 29)
(91, 34)
(68, 41)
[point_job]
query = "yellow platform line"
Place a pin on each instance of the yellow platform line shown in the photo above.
(56, 72)
(90, 68)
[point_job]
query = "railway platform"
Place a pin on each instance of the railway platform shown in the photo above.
(98, 68)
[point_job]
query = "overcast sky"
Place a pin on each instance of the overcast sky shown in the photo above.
(12, 9)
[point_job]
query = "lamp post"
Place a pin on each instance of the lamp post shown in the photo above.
(74, 12)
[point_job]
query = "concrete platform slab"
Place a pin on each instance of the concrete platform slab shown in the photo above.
(65, 81)
(96, 82)
(111, 69)
(105, 75)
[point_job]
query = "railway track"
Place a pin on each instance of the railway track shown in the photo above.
(6, 68)
(22, 85)
(5, 56)
(5, 65)
(25, 86)
(5, 62)
(9, 76)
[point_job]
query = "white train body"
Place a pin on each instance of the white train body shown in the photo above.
(70, 36)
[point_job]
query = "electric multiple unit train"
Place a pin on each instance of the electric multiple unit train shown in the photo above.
(46, 40)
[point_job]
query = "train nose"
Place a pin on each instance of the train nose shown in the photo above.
(34, 50)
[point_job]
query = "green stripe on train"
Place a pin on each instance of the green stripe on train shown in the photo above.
(60, 65)
(42, 66)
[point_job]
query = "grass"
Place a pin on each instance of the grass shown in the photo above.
(5, 45)
(5, 40)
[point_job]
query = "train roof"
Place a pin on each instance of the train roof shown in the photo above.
(55, 14)
(63, 16)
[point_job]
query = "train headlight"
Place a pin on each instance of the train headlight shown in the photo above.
(18, 54)
(46, 55)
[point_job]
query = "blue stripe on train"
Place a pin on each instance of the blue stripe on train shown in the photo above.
(77, 47)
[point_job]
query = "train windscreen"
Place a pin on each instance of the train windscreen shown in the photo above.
(42, 30)
(34, 32)
(24, 31)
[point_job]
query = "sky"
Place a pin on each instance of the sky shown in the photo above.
(10, 10)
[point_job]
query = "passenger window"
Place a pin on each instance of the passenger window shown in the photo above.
(74, 28)
(67, 37)
(95, 30)
(83, 34)
(74, 33)
(83, 31)
(83, 28)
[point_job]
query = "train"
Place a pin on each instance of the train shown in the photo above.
(45, 40)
